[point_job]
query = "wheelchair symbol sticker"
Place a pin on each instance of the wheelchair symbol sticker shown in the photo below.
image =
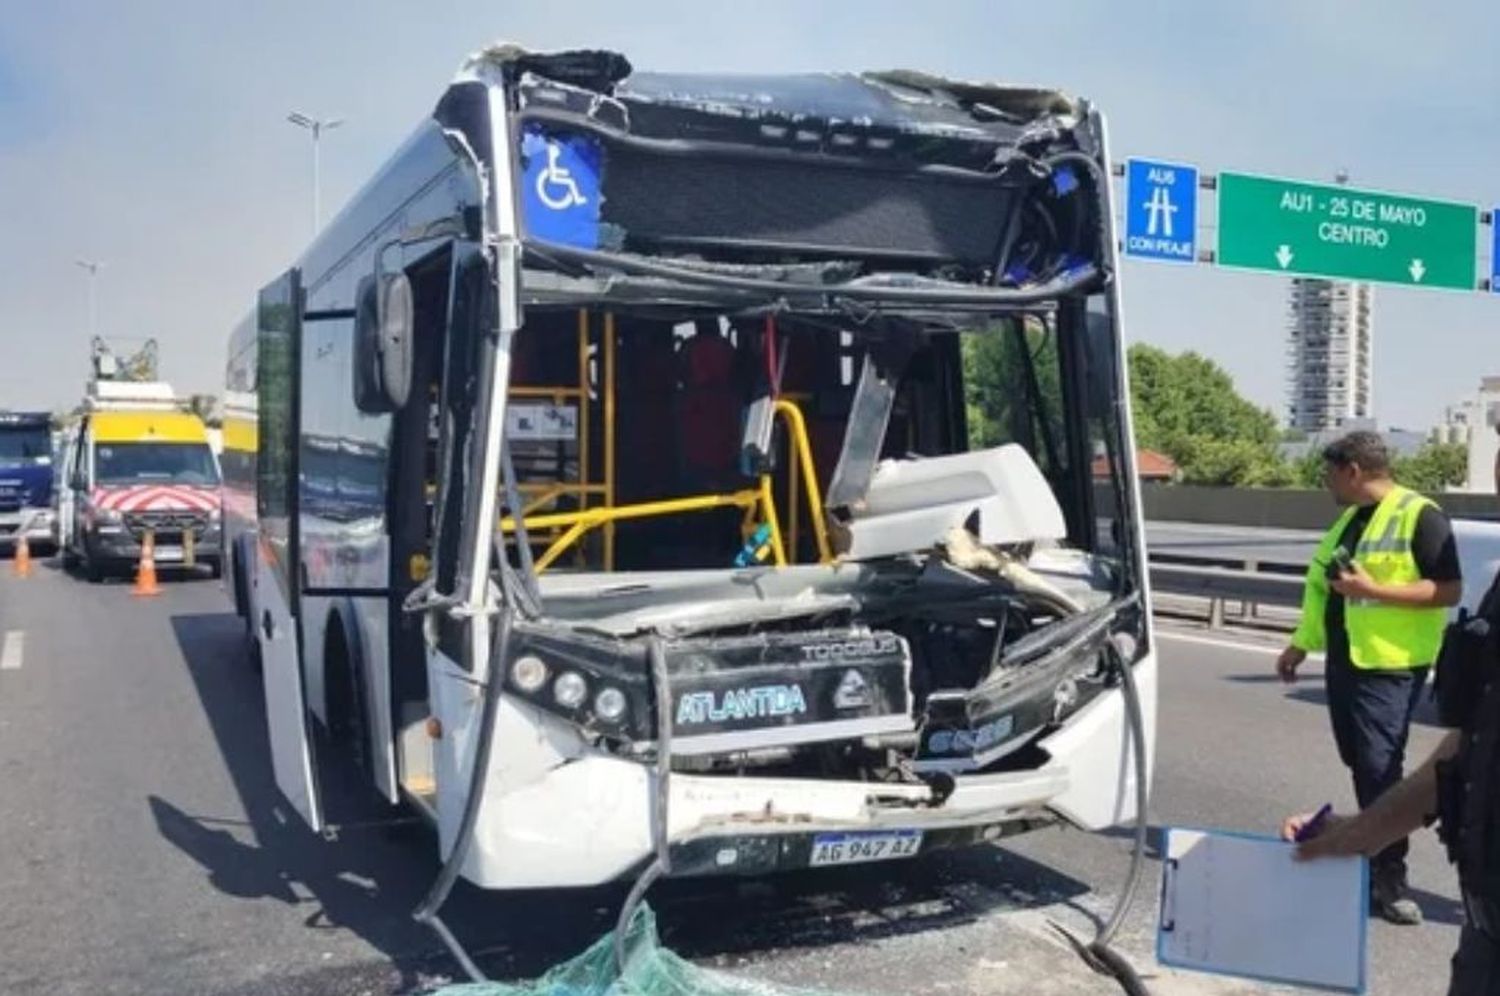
(560, 187)
(555, 184)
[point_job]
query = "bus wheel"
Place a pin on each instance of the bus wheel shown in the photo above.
(346, 715)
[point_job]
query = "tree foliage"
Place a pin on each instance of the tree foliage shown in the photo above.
(1186, 406)
(1308, 471)
(1435, 467)
(1013, 388)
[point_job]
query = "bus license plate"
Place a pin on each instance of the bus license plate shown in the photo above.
(857, 848)
(168, 554)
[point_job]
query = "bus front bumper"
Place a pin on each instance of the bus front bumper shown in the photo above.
(549, 820)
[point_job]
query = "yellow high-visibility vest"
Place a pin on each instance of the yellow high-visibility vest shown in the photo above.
(1381, 636)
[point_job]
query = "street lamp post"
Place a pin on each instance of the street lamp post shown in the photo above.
(317, 126)
(92, 268)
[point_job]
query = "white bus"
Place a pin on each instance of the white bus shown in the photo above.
(708, 475)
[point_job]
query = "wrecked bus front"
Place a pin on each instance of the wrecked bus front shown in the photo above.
(819, 538)
(714, 474)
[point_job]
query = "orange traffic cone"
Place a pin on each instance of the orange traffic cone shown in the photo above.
(145, 574)
(22, 563)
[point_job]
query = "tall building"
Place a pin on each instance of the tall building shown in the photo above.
(1329, 354)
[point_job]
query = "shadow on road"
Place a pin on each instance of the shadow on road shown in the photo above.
(1312, 691)
(369, 877)
(855, 905)
(1156, 837)
(1439, 909)
(234, 867)
(365, 880)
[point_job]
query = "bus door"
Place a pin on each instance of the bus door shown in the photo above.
(275, 575)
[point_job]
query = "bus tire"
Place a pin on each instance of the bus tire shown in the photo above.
(346, 705)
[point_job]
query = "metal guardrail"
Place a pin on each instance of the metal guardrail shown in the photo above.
(1262, 565)
(1219, 584)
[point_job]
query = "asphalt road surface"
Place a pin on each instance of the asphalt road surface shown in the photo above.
(144, 848)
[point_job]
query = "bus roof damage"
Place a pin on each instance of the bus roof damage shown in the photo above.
(850, 193)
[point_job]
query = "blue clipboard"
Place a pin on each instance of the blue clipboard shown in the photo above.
(1237, 904)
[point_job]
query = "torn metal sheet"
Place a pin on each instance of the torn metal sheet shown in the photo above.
(912, 505)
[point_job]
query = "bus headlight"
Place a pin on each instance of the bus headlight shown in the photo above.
(570, 690)
(610, 705)
(529, 674)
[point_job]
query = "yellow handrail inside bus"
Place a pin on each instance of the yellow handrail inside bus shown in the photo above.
(576, 524)
(607, 388)
(540, 494)
(573, 525)
(802, 455)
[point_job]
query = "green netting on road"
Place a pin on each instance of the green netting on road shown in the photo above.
(650, 970)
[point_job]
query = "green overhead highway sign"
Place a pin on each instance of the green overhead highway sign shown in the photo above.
(1319, 230)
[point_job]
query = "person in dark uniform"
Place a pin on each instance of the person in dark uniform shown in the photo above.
(1376, 603)
(1458, 786)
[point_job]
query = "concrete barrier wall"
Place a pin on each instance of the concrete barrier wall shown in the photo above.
(1279, 508)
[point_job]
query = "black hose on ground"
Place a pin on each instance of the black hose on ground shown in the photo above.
(1097, 953)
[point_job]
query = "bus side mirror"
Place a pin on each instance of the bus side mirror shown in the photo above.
(383, 347)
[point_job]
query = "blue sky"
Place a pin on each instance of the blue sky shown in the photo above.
(151, 135)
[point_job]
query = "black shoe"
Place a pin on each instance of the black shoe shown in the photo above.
(1388, 900)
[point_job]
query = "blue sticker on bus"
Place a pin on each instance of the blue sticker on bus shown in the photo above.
(560, 179)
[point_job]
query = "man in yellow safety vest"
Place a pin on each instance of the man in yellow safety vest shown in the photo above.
(1375, 603)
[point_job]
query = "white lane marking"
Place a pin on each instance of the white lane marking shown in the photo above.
(14, 646)
(1208, 641)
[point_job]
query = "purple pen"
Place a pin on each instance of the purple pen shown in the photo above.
(1311, 827)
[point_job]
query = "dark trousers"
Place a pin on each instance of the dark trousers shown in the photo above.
(1476, 966)
(1371, 713)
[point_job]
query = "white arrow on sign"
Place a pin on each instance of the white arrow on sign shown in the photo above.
(1284, 256)
(1417, 270)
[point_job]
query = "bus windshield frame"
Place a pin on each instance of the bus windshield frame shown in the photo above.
(1058, 363)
